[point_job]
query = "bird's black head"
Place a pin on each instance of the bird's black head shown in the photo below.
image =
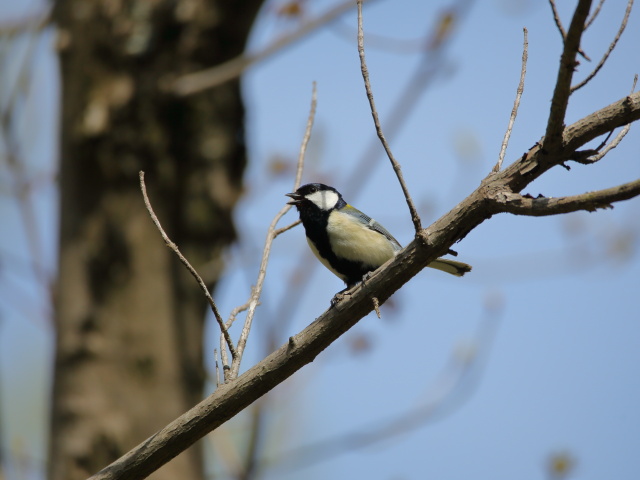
(316, 196)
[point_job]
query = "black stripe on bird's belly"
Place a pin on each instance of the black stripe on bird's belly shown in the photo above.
(315, 225)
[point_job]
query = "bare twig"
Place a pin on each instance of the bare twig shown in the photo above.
(226, 367)
(271, 235)
(542, 206)
(560, 100)
(563, 34)
(209, 78)
(186, 263)
(288, 227)
(594, 15)
(224, 357)
(516, 103)
(599, 153)
(396, 166)
(556, 19)
(235, 312)
(592, 156)
(215, 359)
(612, 45)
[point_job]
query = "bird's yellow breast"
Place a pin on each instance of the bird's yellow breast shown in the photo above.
(352, 240)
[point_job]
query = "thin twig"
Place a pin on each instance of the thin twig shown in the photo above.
(396, 166)
(255, 296)
(232, 318)
(516, 103)
(235, 312)
(215, 358)
(556, 18)
(563, 34)
(612, 45)
(186, 263)
(288, 227)
(599, 154)
(588, 157)
(224, 357)
(594, 15)
(226, 367)
(582, 156)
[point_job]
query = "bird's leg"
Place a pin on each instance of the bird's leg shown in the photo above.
(338, 297)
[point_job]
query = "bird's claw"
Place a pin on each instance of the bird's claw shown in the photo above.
(366, 277)
(338, 297)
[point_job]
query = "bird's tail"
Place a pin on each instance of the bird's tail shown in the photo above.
(450, 266)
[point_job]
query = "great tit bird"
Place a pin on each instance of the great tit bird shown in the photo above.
(345, 240)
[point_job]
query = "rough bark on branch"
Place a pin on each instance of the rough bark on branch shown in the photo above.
(302, 348)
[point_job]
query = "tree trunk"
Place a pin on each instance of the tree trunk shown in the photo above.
(129, 317)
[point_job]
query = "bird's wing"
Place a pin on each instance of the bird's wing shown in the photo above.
(371, 224)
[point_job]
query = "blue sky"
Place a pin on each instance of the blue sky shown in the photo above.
(551, 309)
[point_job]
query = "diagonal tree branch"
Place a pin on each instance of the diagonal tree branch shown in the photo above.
(302, 348)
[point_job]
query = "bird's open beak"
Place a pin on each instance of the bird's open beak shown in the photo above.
(297, 198)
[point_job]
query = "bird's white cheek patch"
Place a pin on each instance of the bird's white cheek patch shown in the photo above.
(325, 199)
(352, 241)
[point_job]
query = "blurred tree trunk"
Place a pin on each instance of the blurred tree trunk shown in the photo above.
(129, 318)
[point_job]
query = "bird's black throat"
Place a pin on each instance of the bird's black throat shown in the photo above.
(315, 222)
